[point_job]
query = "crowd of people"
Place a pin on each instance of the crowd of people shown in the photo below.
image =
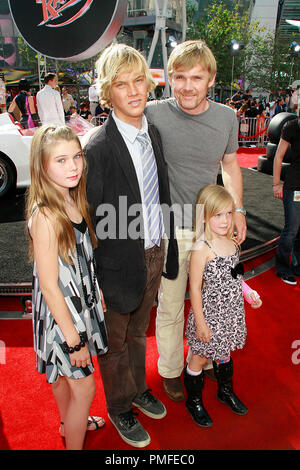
(51, 104)
(246, 106)
(31, 112)
(254, 114)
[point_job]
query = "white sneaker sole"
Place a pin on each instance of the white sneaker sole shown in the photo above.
(129, 441)
(148, 413)
(289, 282)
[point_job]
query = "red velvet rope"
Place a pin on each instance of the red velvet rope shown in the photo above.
(253, 136)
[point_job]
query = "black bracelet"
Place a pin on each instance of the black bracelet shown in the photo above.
(70, 349)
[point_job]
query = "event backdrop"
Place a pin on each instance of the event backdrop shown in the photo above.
(69, 29)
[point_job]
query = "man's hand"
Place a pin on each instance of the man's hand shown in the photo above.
(240, 225)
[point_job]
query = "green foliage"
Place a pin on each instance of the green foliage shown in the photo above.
(265, 61)
(285, 68)
(218, 27)
(28, 57)
(29, 60)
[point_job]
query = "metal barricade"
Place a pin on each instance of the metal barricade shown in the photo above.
(99, 120)
(253, 131)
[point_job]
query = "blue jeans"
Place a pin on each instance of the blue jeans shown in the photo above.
(289, 242)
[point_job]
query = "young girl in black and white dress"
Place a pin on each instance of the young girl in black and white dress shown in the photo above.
(68, 319)
(216, 323)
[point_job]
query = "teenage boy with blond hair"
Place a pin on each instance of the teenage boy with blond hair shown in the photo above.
(198, 136)
(125, 161)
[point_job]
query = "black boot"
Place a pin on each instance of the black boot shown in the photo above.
(194, 405)
(225, 394)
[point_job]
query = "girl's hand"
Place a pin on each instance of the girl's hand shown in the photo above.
(256, 300)
(203, 333)
(81, 358)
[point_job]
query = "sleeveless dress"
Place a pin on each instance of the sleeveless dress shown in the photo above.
(47, 335)
(223, 308)
(30, 120)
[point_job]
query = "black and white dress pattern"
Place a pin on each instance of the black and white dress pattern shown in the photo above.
(223, 308)
(47, 335)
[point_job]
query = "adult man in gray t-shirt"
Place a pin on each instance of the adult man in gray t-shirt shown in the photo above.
(197, 135)
(194, 146)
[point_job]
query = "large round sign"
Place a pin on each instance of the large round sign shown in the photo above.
(69, 29)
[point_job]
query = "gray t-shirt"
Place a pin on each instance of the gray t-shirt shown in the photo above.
(194, 146)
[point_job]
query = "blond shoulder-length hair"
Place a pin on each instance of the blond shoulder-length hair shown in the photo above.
(189, 54)
(116, 59)
(43, 194)
(211, 200)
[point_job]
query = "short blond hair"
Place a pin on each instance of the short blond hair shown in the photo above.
(188, 54)
(211, 200)
(116, 59)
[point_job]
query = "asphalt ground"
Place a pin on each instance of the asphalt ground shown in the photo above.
(265, 220)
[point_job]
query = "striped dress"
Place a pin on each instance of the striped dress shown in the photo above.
(47, 335)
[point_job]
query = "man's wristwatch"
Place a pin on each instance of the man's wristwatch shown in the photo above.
(240, 209)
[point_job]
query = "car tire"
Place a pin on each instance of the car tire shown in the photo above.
(271, 150)
(265, 165)
(7, 177)
(276, 124)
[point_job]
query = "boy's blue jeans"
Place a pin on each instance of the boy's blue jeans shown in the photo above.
(289, 242)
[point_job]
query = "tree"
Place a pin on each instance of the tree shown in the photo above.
(257, 62)
(285, 66)
(219, 25)
(67, 69)
(28, 57)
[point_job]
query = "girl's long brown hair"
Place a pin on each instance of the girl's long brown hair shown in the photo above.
(43, 193)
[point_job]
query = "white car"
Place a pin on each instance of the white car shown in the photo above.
(14, 156)
(15, 145)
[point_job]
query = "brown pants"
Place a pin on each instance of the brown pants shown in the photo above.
(123, 366)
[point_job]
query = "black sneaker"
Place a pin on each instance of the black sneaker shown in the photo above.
(296, 274)
(130, 430)
(288, 279)
(150, 405)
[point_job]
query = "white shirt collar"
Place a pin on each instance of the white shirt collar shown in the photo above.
(128, 130)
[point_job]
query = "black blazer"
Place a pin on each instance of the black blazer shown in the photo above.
(120, 259)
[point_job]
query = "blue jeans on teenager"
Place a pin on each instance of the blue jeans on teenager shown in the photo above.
(289, 242)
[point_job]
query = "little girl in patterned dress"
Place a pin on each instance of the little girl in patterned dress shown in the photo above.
(68, 318)
(216, 323)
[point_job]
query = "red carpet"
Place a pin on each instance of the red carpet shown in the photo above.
(266, 378)
(247, 156)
